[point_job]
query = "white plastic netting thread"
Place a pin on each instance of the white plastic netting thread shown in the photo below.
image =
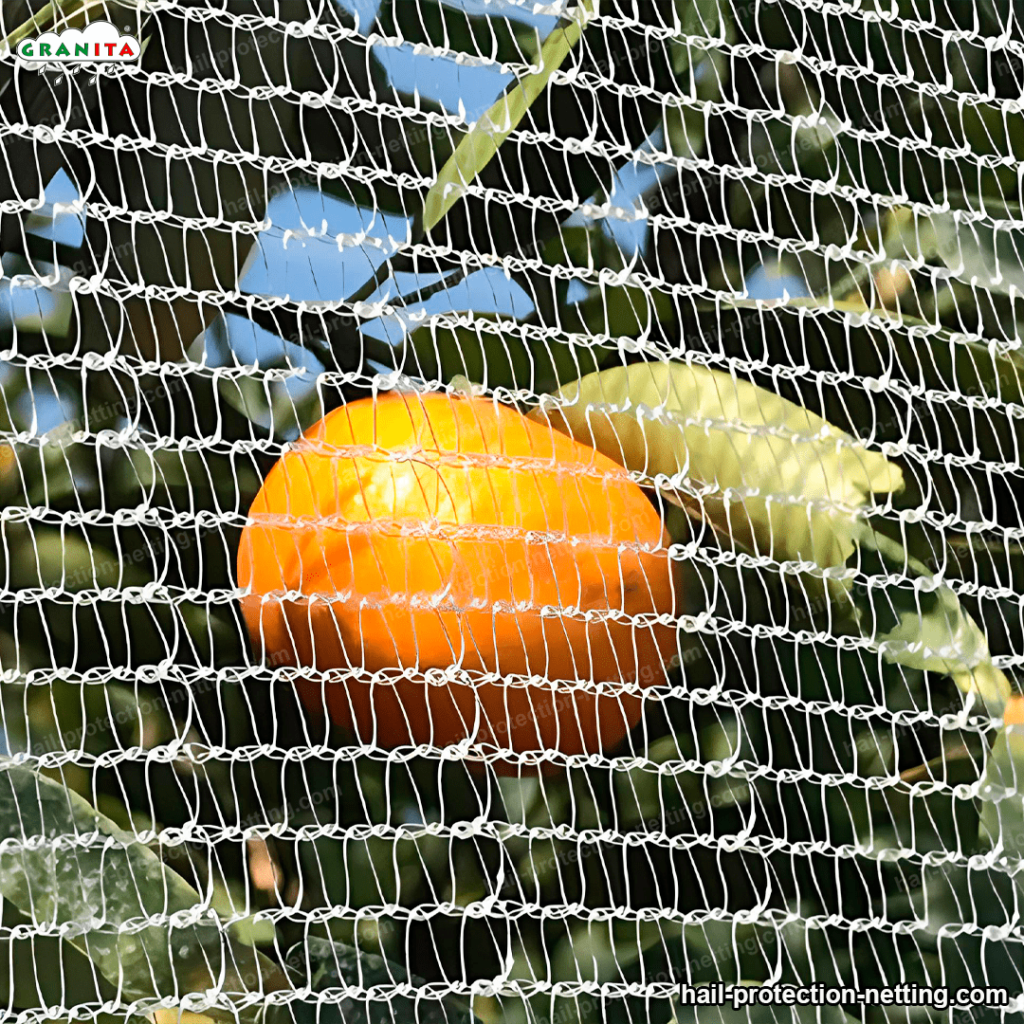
(206, 250)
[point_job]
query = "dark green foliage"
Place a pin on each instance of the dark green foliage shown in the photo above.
(787, 792)
(330, 968)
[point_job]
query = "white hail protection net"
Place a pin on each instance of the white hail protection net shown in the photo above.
(793, 764)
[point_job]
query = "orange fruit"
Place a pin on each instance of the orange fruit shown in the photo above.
(1013, 713)
(468, 569)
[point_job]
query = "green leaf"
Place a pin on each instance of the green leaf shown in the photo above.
(625, 311)
(704, 19)
(229, 900)
(441, 23)
(162, 467)
(583, 245)
(52, 470)
(249, 395)
(496, 360)
(65, 864)
(294, 414)
(12, 657)
(685, 132)
(933, 632)
(195, 478)
(1002, 793)
(437, 352)
(476, 149)
(51, 557)
(46, 971)
(130, 820)
(771, 475)
(775, 479)
(589, 952)
(985, 254)
(804, 142)
(615, 310)
(332, 967)
(61, 716)
(943, 358)
(707, 69)
(270, 405)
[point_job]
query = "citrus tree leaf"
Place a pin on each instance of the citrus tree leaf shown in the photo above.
(774, 476)
(61, 716)
(1002, 805)
(615, 310)
(332, 967)
(476, 149)
(583, 245)
(194, 478)
(707, 67)
(30, 983)
(990, 255)
(773, 479)
(441, 23)
(934, 633)
(249, 395)
(625, 310)
(685, 132)
(943, 357)
(65, 864)
(270, 405)
(702, 19)
(805, 142)
(54, 471)
(231, 903)
(51, 557)
(495, 360)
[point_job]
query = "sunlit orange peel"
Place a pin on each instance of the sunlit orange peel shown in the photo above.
(413, 532)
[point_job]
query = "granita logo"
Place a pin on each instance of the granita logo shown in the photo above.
(98, 41)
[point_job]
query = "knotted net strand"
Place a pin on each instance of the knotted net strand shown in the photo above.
(820, 197)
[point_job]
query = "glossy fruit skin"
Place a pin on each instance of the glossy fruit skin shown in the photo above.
(426, 531)
(1013, 713)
